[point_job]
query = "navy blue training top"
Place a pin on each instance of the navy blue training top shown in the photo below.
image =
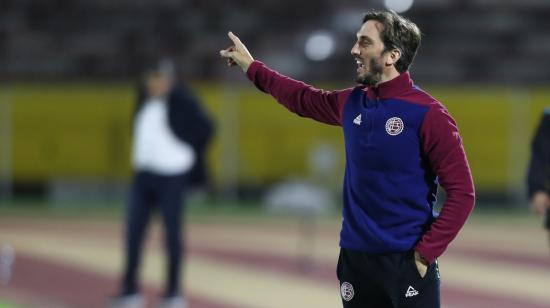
(400, 144)
(389, 189)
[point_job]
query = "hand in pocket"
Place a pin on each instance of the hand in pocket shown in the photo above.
(421, 264)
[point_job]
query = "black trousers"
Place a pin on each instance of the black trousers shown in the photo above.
(166, 192)
(386, 281)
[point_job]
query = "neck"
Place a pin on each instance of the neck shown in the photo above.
(388, 75)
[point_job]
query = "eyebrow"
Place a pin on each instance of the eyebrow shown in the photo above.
(364, 38)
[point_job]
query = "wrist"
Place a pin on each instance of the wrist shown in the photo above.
(420, 258)
(247, 65)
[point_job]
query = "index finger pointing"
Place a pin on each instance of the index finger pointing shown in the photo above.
(235, 39)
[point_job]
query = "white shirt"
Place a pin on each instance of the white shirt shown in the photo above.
(156, 148)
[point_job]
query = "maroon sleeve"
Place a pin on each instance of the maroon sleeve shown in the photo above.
(443, 145)
(298, 97)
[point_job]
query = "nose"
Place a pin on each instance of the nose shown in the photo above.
(355, 50)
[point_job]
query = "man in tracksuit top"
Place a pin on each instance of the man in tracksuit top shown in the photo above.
(538, 177)
(400, 144)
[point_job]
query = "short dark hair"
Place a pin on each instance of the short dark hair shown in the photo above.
(398, 32)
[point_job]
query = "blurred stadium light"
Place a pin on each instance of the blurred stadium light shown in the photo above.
(319, 46)
(400, 6)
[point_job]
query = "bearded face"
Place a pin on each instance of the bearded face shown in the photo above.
(369, 70)
(370, 54)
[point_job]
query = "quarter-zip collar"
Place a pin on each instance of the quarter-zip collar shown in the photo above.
(391, 88)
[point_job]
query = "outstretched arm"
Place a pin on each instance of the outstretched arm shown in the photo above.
(298, 97)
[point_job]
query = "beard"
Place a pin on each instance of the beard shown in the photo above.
(373, 76)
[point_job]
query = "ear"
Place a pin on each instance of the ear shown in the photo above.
(393, 56)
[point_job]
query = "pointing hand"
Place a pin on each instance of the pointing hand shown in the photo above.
(237, 54)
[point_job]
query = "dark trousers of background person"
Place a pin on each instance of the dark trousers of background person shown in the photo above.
(167, 192)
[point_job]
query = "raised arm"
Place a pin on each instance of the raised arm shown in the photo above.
(298, 97)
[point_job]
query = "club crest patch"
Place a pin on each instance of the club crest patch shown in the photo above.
(346, 289)
(394, 126)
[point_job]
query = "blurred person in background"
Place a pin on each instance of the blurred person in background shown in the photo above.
(171, 130)
(400, 144)
(538, 178)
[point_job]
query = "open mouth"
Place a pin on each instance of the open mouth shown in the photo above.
(360, 65)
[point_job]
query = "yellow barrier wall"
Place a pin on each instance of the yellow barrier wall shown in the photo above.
(82, 131)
